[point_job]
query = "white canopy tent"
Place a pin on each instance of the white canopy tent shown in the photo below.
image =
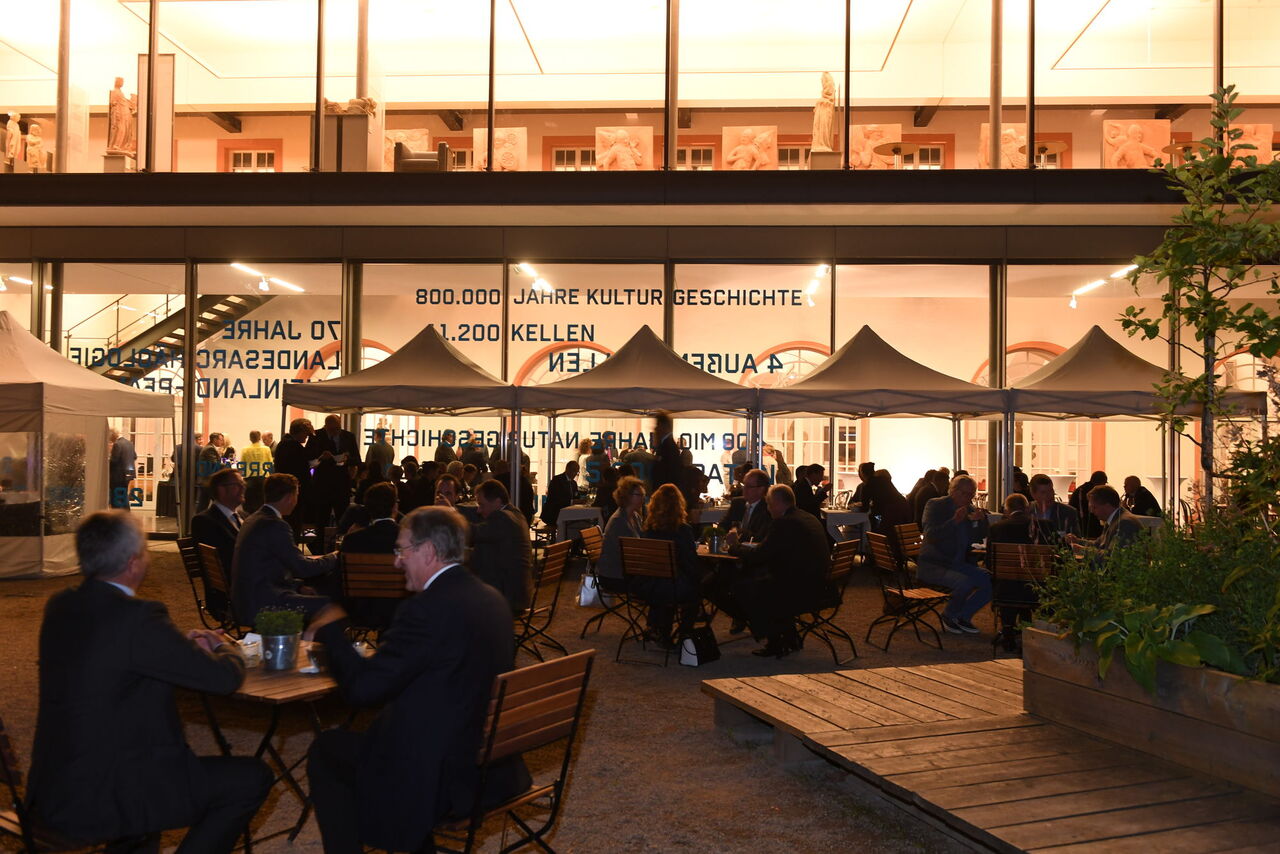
(53, 429)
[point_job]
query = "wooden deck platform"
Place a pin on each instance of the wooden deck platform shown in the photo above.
(952, 742)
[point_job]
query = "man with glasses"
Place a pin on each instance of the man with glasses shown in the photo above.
(432, 675)
(748, 513)
(218, 525)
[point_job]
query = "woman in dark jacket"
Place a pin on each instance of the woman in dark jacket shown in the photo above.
(668, 519)
(626, 521)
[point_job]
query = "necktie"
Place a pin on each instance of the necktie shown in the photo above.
(235, 520)
(746, 516)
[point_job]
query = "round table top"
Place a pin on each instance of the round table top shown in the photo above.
(896, 148)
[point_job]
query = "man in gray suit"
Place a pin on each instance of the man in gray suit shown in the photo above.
(501, 555)
(268, 567)
(951, 525)
(1119, 526)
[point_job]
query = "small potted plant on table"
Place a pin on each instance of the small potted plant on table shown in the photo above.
(281, 630)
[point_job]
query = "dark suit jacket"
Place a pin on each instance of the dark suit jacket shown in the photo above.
(329, 475)
(502, 557)
(293, 457)
(926, 493)
(432, 675)
(267, 566)
(110, 757)
(123, 460)
(560, 494)
(946, 541)
(756, 526)
(1062, 520)
(667, 468)
(795, 555)
(1122, 531)
(807, 498)
(887, 506)
(1012, 529)
(376, 539)
(1142, 503)
(211, 527)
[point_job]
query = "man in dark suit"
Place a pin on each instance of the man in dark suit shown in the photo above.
(111, 762)
(339, 455)
(1052, 520)
(1138, 500)
(1089, 526)
(561, 492)
(432, 675)
(933, 486)
(121, 469)
(379, 536)
(810, 493)
(667, 468)
(218, 526)
(950, 526)
(501, 555)
(293, 456)
(446, 449)
(1119, 527)
(268, 568)
(783, 576)
(749, 514)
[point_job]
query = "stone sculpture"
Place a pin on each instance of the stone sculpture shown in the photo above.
(824, 114)
(122, 114)
(624, 149)
(354, 107)
(1134, 143)
(35, 148)
(863, 140)
(750, 149)
(12, 140)
(510, 149)
(1013, 141)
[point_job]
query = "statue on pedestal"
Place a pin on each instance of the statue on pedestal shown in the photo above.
(824, 113)
(122, 112)
(35, 148)
(12, 140)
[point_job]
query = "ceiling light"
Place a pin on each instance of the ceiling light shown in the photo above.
(542, 285)
(48, 287)
(263, 286)
(813, 287)
(127, 307)
(526, 268)
(282, 283)
(1073, 301)
(811, 302)
(244, 268)
(1120, 274)
(2, 285)
(823, 269)
(20, 280)
(1084, 289)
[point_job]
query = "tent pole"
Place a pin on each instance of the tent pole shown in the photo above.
(187, 465)
(513, 458)
(955, 444)
(551, 447)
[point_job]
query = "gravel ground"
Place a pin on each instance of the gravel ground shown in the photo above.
(651, 772)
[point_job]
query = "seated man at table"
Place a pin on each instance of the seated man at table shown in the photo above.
(951, 525)
(432, 674)
(1138, 500)
(501, 554)
(1017, 527)
(111, 762)
(783, 576)
(448, 491)
(379, 536)
(749, 514)
(268, 568)
(1052, 520)
(218, 525)
(1119, 526)
(561, 492)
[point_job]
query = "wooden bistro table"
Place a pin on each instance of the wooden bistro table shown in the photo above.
(277, 689)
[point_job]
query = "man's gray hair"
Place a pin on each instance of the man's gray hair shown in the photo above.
(443, 527)
(781, 493)
(963, 480)
(106, 541)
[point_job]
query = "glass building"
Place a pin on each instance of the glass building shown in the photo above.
(859, 183)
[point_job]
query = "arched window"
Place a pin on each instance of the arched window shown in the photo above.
(801, 440)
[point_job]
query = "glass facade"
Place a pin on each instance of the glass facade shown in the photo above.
(755, 87)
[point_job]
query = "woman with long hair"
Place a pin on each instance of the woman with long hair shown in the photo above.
(625, 521)
(668, 519)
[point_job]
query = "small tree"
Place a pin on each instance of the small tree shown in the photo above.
(1224, 232)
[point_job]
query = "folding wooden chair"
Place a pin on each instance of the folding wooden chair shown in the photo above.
(215, 577)
(532, 708)
(593, 544)
(903, 605)
(195, 577)
(532, 625)
(371, 585)
(1016, 562)
(820, 621)
(910, 539)
(653, 559)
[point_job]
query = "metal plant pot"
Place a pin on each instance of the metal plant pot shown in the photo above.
(279, 652)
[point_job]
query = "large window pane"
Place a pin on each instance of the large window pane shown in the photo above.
(1253, 66)
(15, 292)
(759, 325)
(28, 85)
(578, 89)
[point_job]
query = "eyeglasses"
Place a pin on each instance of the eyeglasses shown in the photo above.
(401, 551)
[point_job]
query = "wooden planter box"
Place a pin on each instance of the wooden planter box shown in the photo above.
(1204, 719)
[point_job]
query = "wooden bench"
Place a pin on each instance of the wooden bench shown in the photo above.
(951, 744)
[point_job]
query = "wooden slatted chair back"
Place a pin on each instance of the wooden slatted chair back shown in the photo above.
(1020, 562)
(190, 556)
(214, 572)
(910, 538)
(842, 559)
(882, 554)
(10, 769)
(592, 542)
(555, 558)
(536, 705)
(372, 576)
(643, 556)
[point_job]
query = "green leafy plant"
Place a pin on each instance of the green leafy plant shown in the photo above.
(275, 622)
(1215, 247)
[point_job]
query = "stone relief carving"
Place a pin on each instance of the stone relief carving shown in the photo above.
(749, 149)
(510, 149)
(1134, 143)
(862, 142)
(1013, 136)
(624, 149)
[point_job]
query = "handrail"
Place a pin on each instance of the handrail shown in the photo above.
(116, 305)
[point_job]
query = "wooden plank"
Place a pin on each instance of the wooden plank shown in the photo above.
(1010, 698)
(1046, 744)
(1100, 826)
(918, 712)
(925, 699)
(1107, 757)
(767, 708)
(1000, 791)
(949, 692)
(834, 716)
(917, 730)
(1098, 800)
(1234, 836)
(1206, 747)
(859, 703)
(995, 739)
(986, 670)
